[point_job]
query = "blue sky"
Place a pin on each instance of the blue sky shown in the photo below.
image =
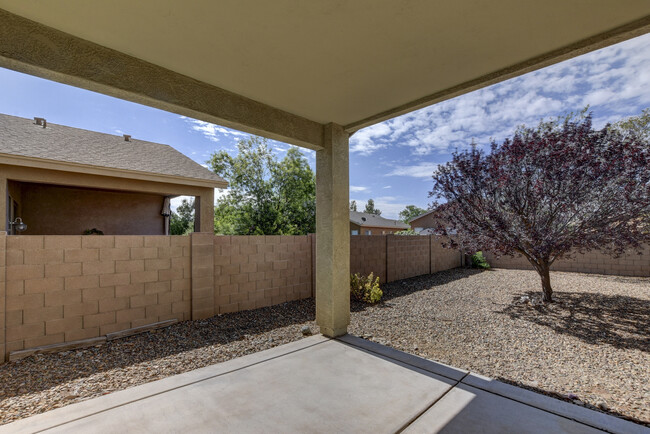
(390, 162)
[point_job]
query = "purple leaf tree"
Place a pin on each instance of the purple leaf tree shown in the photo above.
(548, 193)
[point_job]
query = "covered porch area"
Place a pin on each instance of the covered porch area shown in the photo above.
(325, 385)
(305, 73)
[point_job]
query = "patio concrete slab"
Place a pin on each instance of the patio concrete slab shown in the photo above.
(466, 409)
(319, 385)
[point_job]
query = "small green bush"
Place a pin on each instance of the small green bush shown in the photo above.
(365, 288)
(479, 261)
(93, 231)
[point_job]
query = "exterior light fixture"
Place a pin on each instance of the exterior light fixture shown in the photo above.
(18, 224)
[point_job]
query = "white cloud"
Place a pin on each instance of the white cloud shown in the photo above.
(364, 141)
(614, 79)
(211, 131)
(387, 186)
(356, 188)
(421, 170)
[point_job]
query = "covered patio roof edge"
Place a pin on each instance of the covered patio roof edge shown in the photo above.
(601, 40)
(33, 48)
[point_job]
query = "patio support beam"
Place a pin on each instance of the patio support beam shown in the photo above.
(204, 211)
(33, 48)
(333, 232)
(3, 205)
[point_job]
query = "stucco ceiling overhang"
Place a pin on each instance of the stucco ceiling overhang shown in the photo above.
(353, 62)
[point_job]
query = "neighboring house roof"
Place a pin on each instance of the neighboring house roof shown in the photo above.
(375, 221)
(21, 137)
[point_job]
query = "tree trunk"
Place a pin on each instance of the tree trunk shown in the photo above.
(544, 272)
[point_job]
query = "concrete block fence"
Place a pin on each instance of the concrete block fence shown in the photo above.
(595, 262)
(61, 289)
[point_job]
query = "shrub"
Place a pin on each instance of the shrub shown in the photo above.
(93, 231)
(365, 288)
(479, 261)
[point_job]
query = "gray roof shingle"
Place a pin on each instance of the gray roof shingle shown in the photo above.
(22, 137)
(372, 220)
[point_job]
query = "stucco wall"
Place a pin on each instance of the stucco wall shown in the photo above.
(56, 210)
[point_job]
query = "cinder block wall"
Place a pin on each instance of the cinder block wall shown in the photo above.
(443, 258)
(67, 288)
(368, 255)
(408, 256)
(395, 257)
(629, 264)
(257, 271)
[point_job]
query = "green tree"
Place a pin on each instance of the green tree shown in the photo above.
(410, 212)
(370, 208)
(266, 196)
(182, 221)
(353, 205)
(637, 125)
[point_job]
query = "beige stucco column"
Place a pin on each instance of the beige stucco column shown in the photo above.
(333, 233)
(204, 211)
(3, 204)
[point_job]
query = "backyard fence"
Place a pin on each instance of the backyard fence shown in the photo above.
(629, 264)
(69, 289)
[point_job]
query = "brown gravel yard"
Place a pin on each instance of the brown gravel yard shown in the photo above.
(593, 344)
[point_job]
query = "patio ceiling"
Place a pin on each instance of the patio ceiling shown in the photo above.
(283, 68)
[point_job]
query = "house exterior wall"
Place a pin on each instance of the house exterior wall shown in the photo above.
(56, 210)
(375, 230)
(45, 175)
(426, 221)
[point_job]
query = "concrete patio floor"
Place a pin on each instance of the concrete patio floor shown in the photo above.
(325, 385)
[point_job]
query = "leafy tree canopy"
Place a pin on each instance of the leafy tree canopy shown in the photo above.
(266, 196)
(548, 193)
(182, 221)
(370, 208)
(637, 125)
(410, 212)
(353, 205)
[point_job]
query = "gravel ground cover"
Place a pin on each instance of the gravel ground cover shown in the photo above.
(592, 346)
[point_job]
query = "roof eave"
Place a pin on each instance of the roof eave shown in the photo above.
(66, 166)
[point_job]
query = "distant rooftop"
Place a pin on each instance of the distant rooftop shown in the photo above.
(375, 221)
(25, 138)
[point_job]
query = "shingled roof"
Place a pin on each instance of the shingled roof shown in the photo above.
(375, 221)
(22, 137)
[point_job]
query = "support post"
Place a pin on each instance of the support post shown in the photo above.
(204, 211)
(3, 205)
(333, 233)
(3, 292)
